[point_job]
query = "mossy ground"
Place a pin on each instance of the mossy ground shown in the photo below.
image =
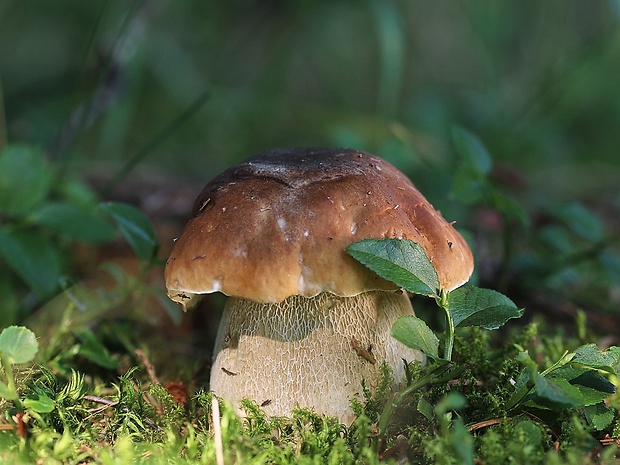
(461, 420)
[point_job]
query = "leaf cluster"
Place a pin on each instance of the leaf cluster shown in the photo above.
(44, 214)
(574, 388)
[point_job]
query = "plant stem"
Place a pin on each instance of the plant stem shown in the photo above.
(449, 341)
(10, 382)
(434, 375)
(518, 396)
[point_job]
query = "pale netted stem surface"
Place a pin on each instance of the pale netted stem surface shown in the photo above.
(308, 352)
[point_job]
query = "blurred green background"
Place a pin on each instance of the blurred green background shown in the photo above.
(537, 81)
(162, 95)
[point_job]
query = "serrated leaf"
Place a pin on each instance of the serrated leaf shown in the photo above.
(33, 258)
(400, 261)
(472, 151)
(599, 416)
(39, 403)
(606, 360)
(135, 227)
(18, 344)
(79, 223)
(415, 334)
(474, 306)
(25, 179)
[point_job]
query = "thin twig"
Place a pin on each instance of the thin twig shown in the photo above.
(101, 400)
(484, 424)
(399, 448)
(150, 369)
(106, 403)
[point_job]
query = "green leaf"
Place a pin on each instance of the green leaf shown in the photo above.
(400, 261)
(76, 192)
(580, 220)
(509, 207)
(135, 227)
(78, 223)
(92, 349)
(474, 306)
(592, 386)
(39, 403)
(462, 442)
(426, 409)
(415, 334)
(33, 257)
(7, 393)
(468, 186)
(451, 401)
(556, 239)
(557, 393)
(599, 416)
(25, 179)
(18, 344)
(472, 151)
(587, 378)
(606, 360)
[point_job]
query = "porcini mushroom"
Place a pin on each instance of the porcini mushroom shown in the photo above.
(304, 322)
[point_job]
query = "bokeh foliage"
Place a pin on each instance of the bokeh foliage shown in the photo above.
(534, 81)
(504, 114)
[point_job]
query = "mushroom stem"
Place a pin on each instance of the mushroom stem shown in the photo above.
(309, 352)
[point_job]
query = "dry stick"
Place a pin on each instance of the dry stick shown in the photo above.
(484, 424)
(217, 431)
(150, 369)
(106, 403)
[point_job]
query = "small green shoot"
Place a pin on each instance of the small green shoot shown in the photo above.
(405, 263)
(574, 381)
(17, 345)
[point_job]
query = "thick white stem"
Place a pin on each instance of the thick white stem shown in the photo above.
(308, 352)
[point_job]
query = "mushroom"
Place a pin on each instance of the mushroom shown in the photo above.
(305, 323)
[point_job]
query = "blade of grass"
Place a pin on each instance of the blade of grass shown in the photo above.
(166, 132)
(217, 431)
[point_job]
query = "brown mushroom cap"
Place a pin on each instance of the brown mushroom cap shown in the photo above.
(278, 224)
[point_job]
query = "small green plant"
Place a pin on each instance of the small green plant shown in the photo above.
(44, 214)
(573, 382)
(574, 385)
(405, 263)
(17, 345)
